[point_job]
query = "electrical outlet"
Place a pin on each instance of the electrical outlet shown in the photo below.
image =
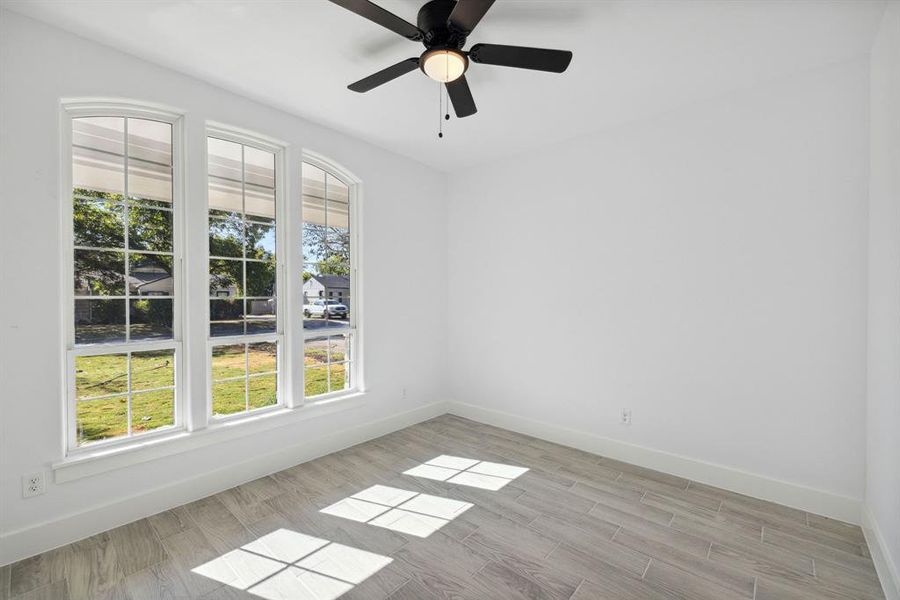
(626, 416)
(403, 393)
(33, 485)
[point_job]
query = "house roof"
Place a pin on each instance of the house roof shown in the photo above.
(333, 281)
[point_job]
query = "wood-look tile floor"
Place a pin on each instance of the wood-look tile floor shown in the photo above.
(355, 525)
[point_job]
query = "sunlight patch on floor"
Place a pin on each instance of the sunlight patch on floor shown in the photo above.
(398, 510)
(467, 471)
(287, 565)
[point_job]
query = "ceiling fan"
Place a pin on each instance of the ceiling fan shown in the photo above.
(443, 26)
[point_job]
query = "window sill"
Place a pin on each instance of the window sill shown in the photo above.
(108, 459)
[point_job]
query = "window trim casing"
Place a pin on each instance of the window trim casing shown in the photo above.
(279, 149)
(72, 108)
(357, 313)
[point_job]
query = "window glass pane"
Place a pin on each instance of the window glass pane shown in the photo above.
(229, 397)
(315, 351)
(226, 236)
(152, 410)
(338, 220)
(260, 241)
(313, 210)
(262, 357)
(224, 159)
(98, 161)
(259, 203)
(152, 369)
(98, 223)
(228, 361)
(151, 319)
(338, 379)
(337, 349)
(261, 316)
(149, 181)
(313, 181)
(106, 134)
(99, 273)
(150, 275)
(226, 317)
(262, 391)
(101, 419)
(99, 321)
(259, 167)
(260, 279)
(94, 171)
(149, 229)
(225, 194)
(101, 375)
(326, 296)
(337, 190)
(150, 141)
(315, 381)
(226, 278)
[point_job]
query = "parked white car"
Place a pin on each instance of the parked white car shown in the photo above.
(325, 309)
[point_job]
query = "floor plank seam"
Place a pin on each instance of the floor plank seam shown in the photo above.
(578, 587)
(558, 544)
(615, 533)
(646, 568)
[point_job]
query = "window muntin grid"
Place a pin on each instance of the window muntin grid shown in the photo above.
(328, 280)
(243, 276)
(123, 279)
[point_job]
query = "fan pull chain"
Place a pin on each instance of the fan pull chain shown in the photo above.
(440, 111)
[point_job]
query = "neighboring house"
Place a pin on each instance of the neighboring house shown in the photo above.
(332, 287)
(145, 281)
(151, 281)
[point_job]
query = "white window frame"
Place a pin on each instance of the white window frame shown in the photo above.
(194, 426)
(78, 108)
(354, 329)
(267, 144)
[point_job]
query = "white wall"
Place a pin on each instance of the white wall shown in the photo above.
(883, 412)
(40, 65)
(711, 275)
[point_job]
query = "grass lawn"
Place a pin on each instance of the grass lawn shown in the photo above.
(240, 378)
(256, 385)
(107, 417)
(315, 361)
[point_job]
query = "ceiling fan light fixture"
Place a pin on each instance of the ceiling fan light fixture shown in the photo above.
(444, 65)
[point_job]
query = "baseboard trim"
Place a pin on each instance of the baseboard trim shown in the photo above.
(885, 564)
(804, 498)
(22, 543)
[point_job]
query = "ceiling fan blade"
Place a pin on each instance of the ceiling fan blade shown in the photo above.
(522, 57)
(461, 97)
(381, 77)
(467, 13)
(375, 13)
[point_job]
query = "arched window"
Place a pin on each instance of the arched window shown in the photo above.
(331, 324)
(123, 323)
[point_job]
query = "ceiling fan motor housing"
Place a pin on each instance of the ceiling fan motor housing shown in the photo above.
(432, 19)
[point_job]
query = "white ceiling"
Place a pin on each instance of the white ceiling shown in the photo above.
(632, 59)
